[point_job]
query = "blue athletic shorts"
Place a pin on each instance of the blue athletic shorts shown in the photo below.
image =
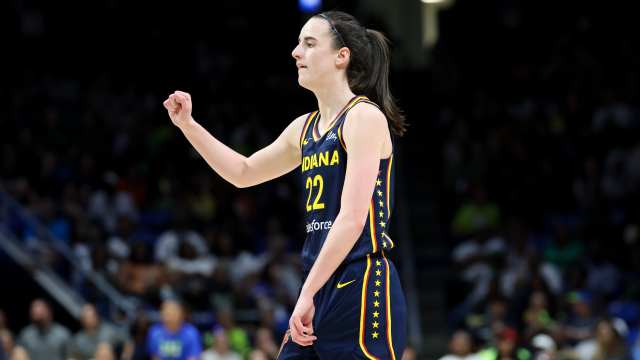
(360, 314)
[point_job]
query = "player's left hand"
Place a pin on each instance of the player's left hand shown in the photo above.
(301, 321)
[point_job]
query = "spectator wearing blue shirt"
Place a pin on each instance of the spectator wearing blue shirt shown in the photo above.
(173, 339)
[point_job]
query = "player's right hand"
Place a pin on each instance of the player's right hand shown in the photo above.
(301, 321)
(179, 107)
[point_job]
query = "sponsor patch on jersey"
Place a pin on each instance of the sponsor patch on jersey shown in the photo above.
(318, 225)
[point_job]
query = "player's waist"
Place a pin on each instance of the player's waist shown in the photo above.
(352, 259)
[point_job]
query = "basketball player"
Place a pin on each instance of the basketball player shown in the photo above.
(351, 305)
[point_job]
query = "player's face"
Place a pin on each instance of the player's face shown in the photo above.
(315, 54)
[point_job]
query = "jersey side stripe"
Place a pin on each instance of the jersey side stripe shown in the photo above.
(344, 146)
(372, 227)
(389, 186)
(363, 308)
(388, 295)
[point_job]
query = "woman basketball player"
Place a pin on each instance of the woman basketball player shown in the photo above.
(351, 305)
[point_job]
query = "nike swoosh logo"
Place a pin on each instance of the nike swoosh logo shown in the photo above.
(341, 285)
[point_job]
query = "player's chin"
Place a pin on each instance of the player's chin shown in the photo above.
(304, 82)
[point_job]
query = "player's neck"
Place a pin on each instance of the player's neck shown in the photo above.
(331, 101)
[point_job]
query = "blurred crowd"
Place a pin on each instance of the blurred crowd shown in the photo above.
(87, 148)
(539, 184)
(172, 336)
(116, 185)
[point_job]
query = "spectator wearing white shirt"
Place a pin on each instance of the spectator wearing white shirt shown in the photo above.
(221, 349)
(460, 347)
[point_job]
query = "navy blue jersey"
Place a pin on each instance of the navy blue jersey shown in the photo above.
(324, 163)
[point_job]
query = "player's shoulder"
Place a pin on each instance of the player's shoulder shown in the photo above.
(365, 115)
(302, 119)
(295, 129)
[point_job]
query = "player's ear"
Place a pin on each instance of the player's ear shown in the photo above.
(342, 57)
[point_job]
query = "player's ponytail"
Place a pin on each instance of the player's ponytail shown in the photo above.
(378, 87)
(368, 70)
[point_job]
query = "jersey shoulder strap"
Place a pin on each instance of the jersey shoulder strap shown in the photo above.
(343, 118)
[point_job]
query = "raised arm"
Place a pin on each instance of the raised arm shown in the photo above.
(276, 159)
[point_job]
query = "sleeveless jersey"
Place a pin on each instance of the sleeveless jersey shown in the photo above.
(324, 164)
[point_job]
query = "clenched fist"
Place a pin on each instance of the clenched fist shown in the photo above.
(178, 106)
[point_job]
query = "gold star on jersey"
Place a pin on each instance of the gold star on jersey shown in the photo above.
(376, 296)
(375, 332)
(381, 209)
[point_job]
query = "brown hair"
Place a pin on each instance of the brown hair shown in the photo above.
(368, 70)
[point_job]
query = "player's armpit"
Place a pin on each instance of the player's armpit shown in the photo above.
(276, 159)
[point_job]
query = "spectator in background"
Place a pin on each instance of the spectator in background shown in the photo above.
(533, 273)
(137, 349)
(52, 218)
(167, 246)
(6, 343)
(609, 343)
(544, 347)
(6, 338)
(265, 342)
(476, 215)
(505, 348)
(409, 353)
(187, 261)
(108, 203)
(20, 353)
(537, 317)
(460, 347)
(237, 337)
(282, 267)
(494, 318)
(581, 323)
(139, 275)
(44, 339)
(220, 349)
(94, 332)
(522, 263)
(258, 355)
(603, 275)
(188, 275)
(475, 259)
(174, 339)
(564, 251)
(104, 351)
(119, 244)
(635, 350)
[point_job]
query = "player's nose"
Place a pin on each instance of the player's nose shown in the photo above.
(297, 52)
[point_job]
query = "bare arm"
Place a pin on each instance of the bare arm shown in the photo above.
(276, 159)
(366, 135)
